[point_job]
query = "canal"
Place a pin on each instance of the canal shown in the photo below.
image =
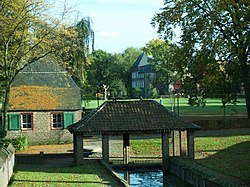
(151, 178)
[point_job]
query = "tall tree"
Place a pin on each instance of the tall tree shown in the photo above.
(73, 45)
(221, 26)
(85, 43)
(162, 55)
(127, 59)
(25, 33)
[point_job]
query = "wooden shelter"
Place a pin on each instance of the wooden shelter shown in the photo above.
(134, 118)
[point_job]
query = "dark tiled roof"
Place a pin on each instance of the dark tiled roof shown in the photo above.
(44, 86)
(141, 60)
(130, 116)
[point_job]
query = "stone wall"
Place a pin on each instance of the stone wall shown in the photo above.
(42, 132)
(7, 162)
(199, 175)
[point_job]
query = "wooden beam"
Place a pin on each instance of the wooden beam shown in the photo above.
(126, 148)
(177, 142)
(183, 135)
(78, 149)
(105, 148)
(165, 150)
(191, 144)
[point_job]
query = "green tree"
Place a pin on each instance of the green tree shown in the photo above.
(222, 27)
(25, 37)
(125, 62)
(73, 45)
(98, 72)
(162, 56)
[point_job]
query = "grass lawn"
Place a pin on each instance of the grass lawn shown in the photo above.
(92, 174)
(213, 106)
(229, 154)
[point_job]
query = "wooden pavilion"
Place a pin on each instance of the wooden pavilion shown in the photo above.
(139, 117)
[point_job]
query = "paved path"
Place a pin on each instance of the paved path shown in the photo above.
(93, 146)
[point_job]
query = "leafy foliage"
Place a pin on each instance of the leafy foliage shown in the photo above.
(162, 58)
(112, 70)
(212, 32)
(19, 143)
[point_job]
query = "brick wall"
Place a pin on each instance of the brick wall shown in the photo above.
(42, 132)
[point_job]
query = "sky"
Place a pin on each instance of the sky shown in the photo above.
(119, 24)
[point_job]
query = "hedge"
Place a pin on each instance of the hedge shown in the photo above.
(19, 143)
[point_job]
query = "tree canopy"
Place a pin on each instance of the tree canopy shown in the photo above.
(162, 57)
(28, 34)
(214, 31)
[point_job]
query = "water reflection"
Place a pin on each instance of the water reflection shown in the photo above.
(151, 179)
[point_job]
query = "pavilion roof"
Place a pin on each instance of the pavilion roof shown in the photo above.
(141, 116)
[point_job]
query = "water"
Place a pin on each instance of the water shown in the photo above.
(151, 179)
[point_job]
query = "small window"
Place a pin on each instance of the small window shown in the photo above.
(57, 120)
(26, 121)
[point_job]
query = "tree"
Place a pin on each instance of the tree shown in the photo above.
(125, 61)
(162, 55)
(72, 49)
(25, 38)
(98, 72)
(222, 27)
(84, 39)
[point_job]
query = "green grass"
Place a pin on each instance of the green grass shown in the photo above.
(213, 106)
(229, 154)
(91, 174)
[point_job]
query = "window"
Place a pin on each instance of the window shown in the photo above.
(57, 120)
(26, 121)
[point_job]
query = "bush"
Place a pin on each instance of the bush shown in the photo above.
(19, 143)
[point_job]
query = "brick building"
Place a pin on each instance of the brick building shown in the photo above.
(44, 100)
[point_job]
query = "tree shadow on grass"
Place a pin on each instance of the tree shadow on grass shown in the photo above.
(233, 161)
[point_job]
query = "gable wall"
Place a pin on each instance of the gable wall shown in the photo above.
(42, 132)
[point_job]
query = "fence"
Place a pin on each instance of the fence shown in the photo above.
(7, 162)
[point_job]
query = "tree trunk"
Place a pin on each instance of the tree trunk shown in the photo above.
(5, 107)
(247, 95)
(245, 68)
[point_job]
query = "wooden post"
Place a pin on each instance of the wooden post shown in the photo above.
(176, 141)
(105, 148)
(183, 143)
(78, 149)
(165, 150)
(173, 141)
(191, 144)
(126, 148)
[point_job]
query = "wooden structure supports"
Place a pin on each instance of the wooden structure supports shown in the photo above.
(78, 149)
(183, 145)
(105, 148)
(126, 148)
(165, 150)
(190, 142)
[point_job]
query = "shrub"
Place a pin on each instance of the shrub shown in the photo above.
(19, 143)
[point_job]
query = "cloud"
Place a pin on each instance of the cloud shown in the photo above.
(109, 34)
